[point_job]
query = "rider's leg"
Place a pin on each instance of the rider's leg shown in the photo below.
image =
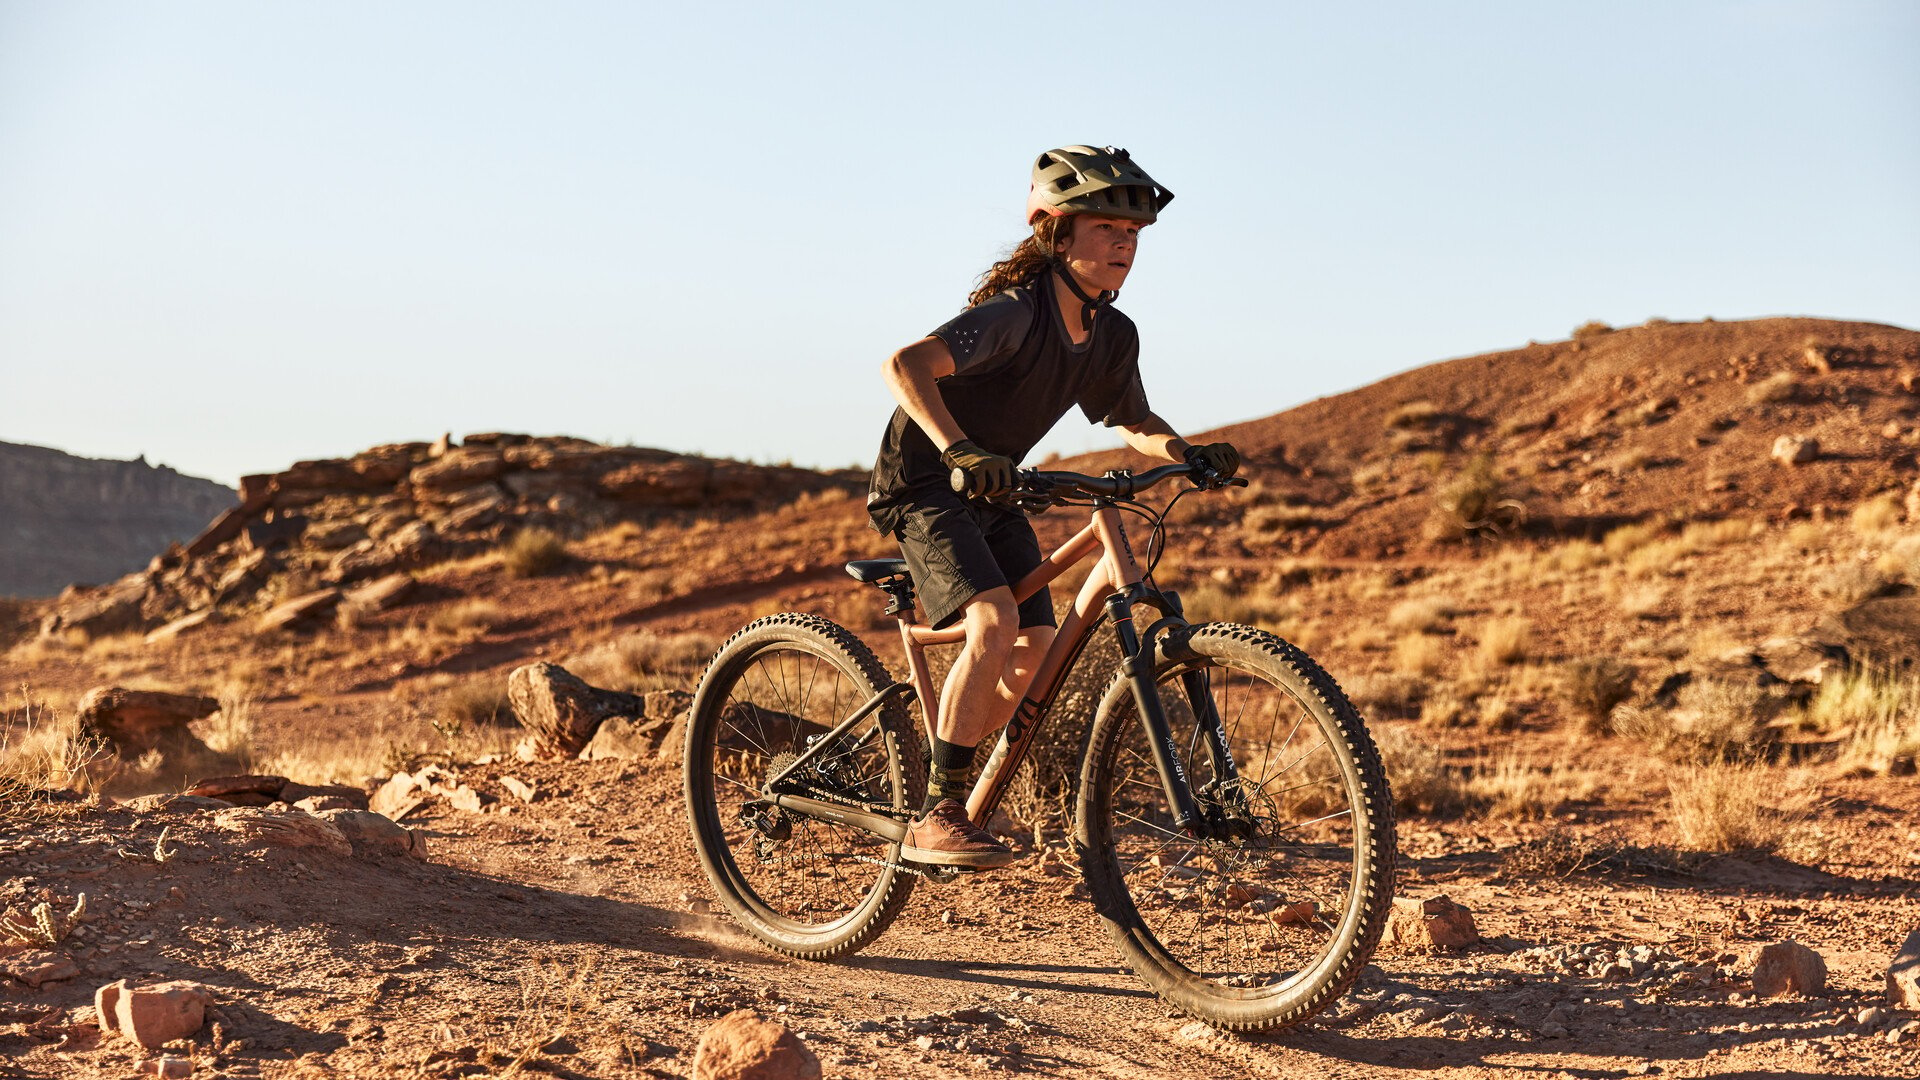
(971, 701)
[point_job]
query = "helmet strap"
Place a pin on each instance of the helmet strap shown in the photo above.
(1088, 304)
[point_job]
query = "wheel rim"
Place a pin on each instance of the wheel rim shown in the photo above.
(802, 876)
(1255, 916)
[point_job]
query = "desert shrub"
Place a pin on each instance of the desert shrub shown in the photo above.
(1213, 601)
(1627, 539)
(1878, 712)
(1901, 561)
(1412, 414)
(1777, 388)
(465, 619)
(1711, 721)
(1590, 329)
(1877, 515)
(532, 552)
(1273, 518)
(1592, 686)
(1388, 693)
(1707, 535)
(1446, 708)
(1418, 654)
(1422, 782)
(1505, 641)
(645, 661)
(1576, 555)
(1561, 854)
(1476, 502)
(1850, 583)
(1507, 787)
(1643, 601)
(41, 751)
(1424, 615)
(1727, 808)
(475, 702)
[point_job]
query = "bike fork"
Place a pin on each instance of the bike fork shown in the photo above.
(1153, 719)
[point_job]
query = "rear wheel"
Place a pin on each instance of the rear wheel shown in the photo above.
(805, 886)
(1265, 928)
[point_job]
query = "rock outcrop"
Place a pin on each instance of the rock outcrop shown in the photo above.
(346, 532)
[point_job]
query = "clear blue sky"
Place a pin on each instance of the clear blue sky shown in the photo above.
(234, 234)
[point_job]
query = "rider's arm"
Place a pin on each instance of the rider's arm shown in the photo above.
(910, 375)
(1155, 438)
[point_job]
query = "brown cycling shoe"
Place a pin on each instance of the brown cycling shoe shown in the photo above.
(943, 836)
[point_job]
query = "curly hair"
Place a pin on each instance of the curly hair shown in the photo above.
(1027, 261)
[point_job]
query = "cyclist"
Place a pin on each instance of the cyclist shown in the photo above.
(1039, 336)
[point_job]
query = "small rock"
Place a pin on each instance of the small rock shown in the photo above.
(1553, 1030)
(167, 1068)
(1788, 967)
(1795, 449)
(283, 828)
(1435, 922)
(1872, 1016)
(398, 797)
(924, 1042)
(152, 1015)
(369, 832)
(520, 789)
(742, 1046)
(1903, 974)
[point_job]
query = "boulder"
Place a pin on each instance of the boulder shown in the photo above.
(120, 607)
(282, 530)
(1795, 449)
(249, 790)
(381, 593)
(334, 535)
(259, 827)
(742, 1046)
(1433, 923)
(401, 795)
(152, 1015)
(174, 804)
(385, 466)
(135, 721)
(372, 833)
(37, 967)
(561, 710)
(1801, 659)
(1884, 630)
(1903, 974)
(1788, 967)
(301, 612)
(627, 738)
(182, 625)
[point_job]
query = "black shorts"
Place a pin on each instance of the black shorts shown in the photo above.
(957, 549)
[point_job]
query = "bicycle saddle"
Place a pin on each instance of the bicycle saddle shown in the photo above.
(876, 569)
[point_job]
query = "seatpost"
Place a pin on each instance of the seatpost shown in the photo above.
(1153, 718)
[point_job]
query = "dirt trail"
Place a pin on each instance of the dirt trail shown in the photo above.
(579, 924)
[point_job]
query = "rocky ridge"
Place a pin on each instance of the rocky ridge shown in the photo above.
(346, 530)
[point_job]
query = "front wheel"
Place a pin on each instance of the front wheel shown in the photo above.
(1272, 920)
(804, 885)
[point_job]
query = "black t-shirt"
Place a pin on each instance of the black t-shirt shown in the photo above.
(1016, 373)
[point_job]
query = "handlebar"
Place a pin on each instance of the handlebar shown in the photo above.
(1045, 487)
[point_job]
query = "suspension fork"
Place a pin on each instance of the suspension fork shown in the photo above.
(1138, 662)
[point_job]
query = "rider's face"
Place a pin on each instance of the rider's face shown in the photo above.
(1099, 250)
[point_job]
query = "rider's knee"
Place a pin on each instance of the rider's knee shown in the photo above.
(992, 622)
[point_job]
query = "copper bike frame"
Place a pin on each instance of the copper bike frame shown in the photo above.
(1116, 571)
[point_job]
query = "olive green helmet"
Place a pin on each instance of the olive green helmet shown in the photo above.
(1093, 180)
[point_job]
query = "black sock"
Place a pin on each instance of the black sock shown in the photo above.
(951, 767)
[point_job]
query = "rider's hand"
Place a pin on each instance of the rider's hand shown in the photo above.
(1221, 457)
(987, 473)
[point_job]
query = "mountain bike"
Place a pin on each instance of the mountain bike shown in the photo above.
(1232, 821)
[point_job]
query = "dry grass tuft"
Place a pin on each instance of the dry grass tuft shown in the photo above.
(1425, 615)
(1475, 503)
(1591, 329)
(1850, 583)
(1211, 601)
(1728, 808)
(644, 661)
(476, 702)
(1877, 712)
(533, 552)
(1505, 641)
(1562, 854)
(1419, 655)
(1777, 388)
(465, 620)
(42, 751)
(1710, 722)
(1412, 414)
(1592, 686)
(1879, 514)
